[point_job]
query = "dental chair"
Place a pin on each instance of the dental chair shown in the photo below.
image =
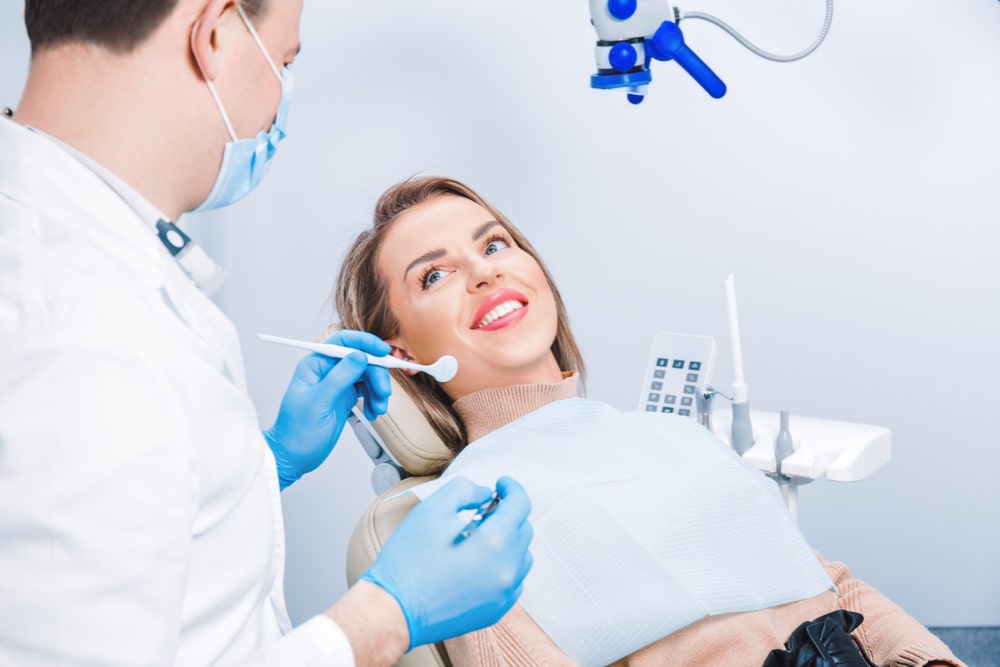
(406, 452)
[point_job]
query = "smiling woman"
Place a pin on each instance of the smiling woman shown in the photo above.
(716, 573)
(442, 271)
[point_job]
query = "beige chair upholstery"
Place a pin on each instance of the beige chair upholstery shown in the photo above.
(409, 438)
(405, 432)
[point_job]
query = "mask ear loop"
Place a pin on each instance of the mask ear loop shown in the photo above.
(211, 86)
(257, 39)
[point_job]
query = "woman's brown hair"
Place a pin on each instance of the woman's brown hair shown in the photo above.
(362, 296)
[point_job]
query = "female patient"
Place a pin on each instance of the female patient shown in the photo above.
(443, 272)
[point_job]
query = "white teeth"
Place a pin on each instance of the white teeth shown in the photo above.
(499, 311)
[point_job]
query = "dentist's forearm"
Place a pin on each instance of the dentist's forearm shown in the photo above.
(374, 624)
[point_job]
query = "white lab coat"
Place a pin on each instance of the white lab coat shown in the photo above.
(140, 518)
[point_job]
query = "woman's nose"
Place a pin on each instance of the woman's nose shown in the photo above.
(484, 273)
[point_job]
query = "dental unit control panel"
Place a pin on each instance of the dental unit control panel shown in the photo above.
(792, 449)
(633, 33)
(679, 365)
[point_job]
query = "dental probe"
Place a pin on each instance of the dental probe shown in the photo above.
(442, 370)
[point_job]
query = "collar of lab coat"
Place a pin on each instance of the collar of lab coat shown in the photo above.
(144, 208)
(40, 174)
(199, 267)
(46, 177)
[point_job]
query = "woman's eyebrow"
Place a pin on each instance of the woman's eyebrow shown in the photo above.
(431, 255)
(483, 228)
(428, 256)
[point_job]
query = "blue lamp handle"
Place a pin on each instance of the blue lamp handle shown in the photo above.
(667, 43)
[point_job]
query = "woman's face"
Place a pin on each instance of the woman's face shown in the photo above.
(459, 285)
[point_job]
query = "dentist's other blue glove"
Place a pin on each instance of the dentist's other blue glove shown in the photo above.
(447, 589)
(321, 394)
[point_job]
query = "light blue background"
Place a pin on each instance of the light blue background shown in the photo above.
(853, 194)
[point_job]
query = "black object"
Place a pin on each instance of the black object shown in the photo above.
(823, 642)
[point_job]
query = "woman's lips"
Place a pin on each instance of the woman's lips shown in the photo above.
(503, 315)
(500, 310)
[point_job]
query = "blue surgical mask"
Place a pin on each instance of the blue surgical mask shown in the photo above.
(245, 161)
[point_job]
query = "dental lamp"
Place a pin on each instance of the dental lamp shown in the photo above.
(633, 33)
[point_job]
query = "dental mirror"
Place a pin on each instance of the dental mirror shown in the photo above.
(442, 370)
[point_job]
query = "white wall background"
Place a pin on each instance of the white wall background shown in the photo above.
(853, 194)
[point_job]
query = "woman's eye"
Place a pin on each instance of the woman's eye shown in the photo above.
(432, 277)
(496, 246)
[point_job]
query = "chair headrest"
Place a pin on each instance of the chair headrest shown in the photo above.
(406, 433)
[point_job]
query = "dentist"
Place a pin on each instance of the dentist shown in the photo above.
(140, 518)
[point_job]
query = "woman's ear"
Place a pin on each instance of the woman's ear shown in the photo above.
(400, 353)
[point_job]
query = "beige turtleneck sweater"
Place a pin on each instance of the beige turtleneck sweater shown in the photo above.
(889, 635)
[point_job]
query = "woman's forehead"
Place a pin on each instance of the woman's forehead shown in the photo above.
(441, 213)
(437, 223)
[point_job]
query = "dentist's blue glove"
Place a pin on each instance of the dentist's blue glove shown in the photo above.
(318, 399)
(447, 589)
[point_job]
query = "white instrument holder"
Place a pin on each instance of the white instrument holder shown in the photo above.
(824, 449)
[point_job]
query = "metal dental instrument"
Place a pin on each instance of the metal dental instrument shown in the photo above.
(442, 370)
(484, 511)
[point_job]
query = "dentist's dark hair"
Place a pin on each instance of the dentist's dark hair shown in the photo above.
(117, 25)
(362, 297)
